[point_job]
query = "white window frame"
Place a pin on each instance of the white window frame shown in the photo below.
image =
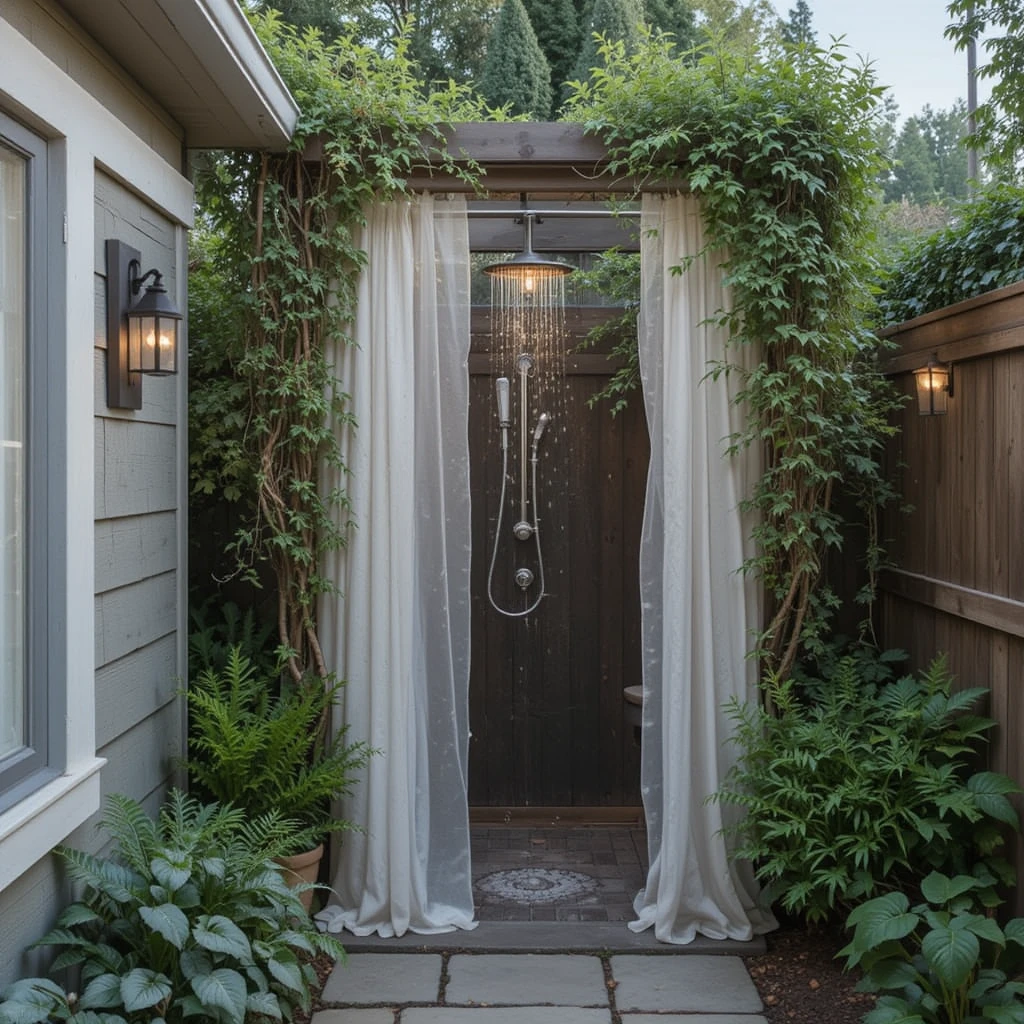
(82, 137)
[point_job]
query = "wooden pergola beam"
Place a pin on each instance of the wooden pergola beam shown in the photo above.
(523, 156)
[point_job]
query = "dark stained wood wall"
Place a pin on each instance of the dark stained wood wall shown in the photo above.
(546, 706)
(959, 585)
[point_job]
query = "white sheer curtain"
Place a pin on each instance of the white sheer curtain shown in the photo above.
(399, 631)
(698, 612)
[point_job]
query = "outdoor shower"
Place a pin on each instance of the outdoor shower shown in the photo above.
(527, 301)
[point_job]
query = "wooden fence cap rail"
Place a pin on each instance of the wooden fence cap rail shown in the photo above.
(982, 326)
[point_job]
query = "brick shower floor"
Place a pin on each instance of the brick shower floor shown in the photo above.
(546, 865)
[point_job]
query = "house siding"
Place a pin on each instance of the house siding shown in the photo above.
(139, 471)
(57, 36)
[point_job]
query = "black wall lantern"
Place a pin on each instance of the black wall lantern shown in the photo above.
(142, 330)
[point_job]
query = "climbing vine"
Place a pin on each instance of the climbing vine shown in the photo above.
(281, 232)
(780, 150)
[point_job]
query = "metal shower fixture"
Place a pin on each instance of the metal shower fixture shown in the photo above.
(528, 266)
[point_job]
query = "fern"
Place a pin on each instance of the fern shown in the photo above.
(860, 783)
(262, 755)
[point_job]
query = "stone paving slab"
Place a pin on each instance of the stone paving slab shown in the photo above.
(385, 978)
(535, 936)
(687, 984)
(505, 1015)
(692, 1018)
(378, 1015)
(526, 979)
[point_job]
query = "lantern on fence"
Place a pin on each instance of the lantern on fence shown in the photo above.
(934, 388)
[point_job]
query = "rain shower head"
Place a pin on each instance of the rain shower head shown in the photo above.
(527, 266)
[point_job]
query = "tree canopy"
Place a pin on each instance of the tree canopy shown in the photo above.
(557, 26)
(797, 28)
(610, 19)
(446, 38)
(516, 71)
(676, 17)
(1000, 120)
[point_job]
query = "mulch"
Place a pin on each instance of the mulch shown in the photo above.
(801, 981)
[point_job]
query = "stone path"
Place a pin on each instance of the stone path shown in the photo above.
(539, 988)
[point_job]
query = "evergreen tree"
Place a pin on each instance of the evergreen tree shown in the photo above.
(676, 17)
(943, 132)
(557, 25)
(741, 24)
(797, 28)
(613, 20)
(515, 69)
(913, 176)
(448, 37)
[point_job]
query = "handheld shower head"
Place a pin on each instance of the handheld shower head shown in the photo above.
(501, 388)
(538, 432)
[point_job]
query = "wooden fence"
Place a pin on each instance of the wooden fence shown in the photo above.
(959, 585)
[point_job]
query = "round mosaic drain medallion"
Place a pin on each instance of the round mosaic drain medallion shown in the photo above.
(536, 885)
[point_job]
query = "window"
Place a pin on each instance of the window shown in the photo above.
(30, 722)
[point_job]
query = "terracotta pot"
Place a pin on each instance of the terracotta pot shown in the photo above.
(302, 867)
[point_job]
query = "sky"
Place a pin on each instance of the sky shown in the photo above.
(903, 38)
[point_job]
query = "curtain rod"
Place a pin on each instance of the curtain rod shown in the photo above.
(541, 214)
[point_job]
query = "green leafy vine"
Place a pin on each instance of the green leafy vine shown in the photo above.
(284, 229)
(781, 153)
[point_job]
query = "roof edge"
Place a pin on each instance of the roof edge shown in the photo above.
(220, 34)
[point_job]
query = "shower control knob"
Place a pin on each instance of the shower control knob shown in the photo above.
(524, 578)
(523, 530)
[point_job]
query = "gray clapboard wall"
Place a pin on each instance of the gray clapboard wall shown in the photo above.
(138, 531)
(139, 512)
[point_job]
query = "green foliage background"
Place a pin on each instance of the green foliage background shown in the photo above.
(516, 72)
(281, 241)
(981, 250)
(782, 154)
(783, 157)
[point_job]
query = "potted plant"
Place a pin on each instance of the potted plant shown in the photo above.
(265, 746)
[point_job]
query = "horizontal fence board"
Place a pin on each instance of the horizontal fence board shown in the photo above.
(982, 326)
(973, 605)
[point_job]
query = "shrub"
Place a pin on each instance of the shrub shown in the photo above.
(191, 919)
(948, 963)
(982, 250)
(216, 627)
(865, 787)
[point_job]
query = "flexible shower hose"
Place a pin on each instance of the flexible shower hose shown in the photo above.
(497, 537)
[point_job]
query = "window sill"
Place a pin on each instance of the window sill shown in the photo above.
(35, 825)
